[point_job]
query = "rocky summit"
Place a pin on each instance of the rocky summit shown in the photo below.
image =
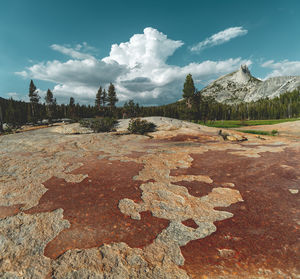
(182, 202)
(241, 86)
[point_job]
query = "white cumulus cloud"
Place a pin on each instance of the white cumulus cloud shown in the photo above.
(78, 72)
(282, 68)
(150, 48)
(77, 78)
(138, 68)
(220, 38)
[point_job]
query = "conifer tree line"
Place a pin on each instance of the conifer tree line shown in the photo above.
(20, 112)
(194, 106)
(105, 102)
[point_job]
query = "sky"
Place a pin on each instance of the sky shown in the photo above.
(144, 47)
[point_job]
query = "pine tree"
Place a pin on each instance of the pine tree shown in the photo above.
(49, 97)
(112, 97)
(72, 107)
(72, 102)
(54, 109)
(34, 99)
(189, 90)
(104, 97)
(130, 109)
(49, 104)
(98, 100)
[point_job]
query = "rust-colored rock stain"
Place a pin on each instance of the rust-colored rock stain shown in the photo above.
(196, 188)
(91, 207)
(264, 231)
(186, 137)
(190, 223)
(180, 138)
(6, 211)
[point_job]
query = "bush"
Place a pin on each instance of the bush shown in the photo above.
(7, 129)
(100, 125)
(85, 123)
(138, 126)
(274, 132)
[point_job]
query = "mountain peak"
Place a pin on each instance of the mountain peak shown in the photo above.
(243, 75)
(245, 69)
(241, 86)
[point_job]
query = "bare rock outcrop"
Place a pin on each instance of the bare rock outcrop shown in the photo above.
(23, 238)
(178, 187)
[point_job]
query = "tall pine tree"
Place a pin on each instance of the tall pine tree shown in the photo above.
(50, 103)
(34, 100)
(72, 108)
(112, 97)
(192, 99)
(104, 97)
(98, 100)
(189, 90)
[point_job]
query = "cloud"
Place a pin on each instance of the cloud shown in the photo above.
(80, 51)
(150, 79)
(71, 52)
(138, 84)
(78, 72)
(138, 68)
(220, 38)
(282, 68)
(13, 95)
(150, 48)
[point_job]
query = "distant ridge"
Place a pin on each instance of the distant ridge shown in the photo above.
(241, 86)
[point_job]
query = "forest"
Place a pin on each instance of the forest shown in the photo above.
(286, 105)
(193, 106)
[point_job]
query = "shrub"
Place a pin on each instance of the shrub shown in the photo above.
(7, 129)
(99, 125)
(274, 132)
(138, 126)
(85, 123)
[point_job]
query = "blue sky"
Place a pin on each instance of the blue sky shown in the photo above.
(145, 48)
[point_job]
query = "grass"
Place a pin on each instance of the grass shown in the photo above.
(258, 132)
(238, 123)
